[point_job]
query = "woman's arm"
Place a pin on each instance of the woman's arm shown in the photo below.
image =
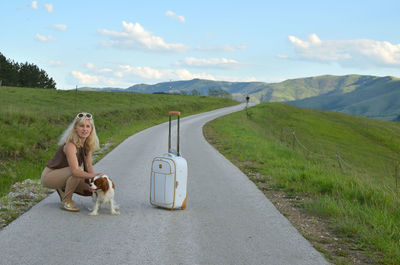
(88, 162)
(70, 152)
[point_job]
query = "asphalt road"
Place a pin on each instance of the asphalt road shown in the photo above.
(227, 220)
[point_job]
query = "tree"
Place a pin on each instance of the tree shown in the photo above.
(8, 71)
(24, 74)
(195, 92)
(219, 92)
(29, 75)
(213, 92)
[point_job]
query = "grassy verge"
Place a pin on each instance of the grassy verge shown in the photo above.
(31, 120)
(343, 167)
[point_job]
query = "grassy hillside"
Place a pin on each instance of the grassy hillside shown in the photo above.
(342, 168)
(294, 89)
(31, 120)
(374, 97)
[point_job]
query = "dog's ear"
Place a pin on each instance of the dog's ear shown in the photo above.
(97, 182)
(104, 184)
(113, 186)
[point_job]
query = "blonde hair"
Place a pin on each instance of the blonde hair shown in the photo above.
(70, 135)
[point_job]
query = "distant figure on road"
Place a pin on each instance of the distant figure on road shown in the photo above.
(72, 164)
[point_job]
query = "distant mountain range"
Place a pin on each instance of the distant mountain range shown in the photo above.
(369, 96)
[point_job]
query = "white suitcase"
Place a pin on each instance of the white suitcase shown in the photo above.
(169, 172)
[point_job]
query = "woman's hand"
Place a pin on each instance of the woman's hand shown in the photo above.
(93, 175)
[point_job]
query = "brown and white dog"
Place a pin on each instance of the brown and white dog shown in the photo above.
(103, 192)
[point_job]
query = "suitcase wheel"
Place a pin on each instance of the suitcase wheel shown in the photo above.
(184, 204)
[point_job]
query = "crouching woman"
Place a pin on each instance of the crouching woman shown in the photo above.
(72, 163)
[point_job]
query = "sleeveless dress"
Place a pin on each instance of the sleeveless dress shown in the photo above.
(59, 160)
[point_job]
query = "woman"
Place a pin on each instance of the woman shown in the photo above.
(72, 164)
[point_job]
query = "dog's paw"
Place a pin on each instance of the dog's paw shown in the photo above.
(115, 213)
(93, 213)
(115, 206)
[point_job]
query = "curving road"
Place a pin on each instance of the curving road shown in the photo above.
(228, 220)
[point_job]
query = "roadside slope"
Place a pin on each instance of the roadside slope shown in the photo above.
(333, 166)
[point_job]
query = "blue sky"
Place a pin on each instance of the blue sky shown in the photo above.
(120, 43)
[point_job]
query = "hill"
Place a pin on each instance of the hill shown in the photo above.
(339, 170)
(237, 89)
(369, 96)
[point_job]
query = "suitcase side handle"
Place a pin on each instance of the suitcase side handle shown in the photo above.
(171, 113)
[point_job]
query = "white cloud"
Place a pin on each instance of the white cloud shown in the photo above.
(134, 36)
(212, 62)
(85, 79)
(42, 38)
(159, 74)
(34, 5)
(174, 16)
(127, 75)
(49, 7)
(144, 72)
(89, 65)
(183, 74)
(223, 48)
(60, 27)
(361, 53)
(94, 80)
(55, 63)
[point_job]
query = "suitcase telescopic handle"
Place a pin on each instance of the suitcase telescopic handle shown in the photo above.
(170, 114)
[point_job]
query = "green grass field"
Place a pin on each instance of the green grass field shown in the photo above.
(343, 166)
(31, 120)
